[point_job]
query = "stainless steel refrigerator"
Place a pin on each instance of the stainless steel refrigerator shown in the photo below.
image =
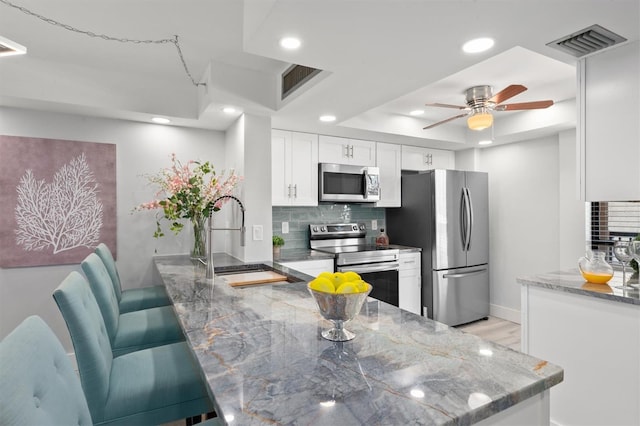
(445, 212)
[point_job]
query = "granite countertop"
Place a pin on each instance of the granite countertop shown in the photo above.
(265, 362)
(297, 255)
(571, 281)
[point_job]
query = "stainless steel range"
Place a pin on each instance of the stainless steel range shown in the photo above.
(376, 265)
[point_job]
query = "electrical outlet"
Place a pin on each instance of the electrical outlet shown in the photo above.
(257, 233)
(374, 225)
(285, 227)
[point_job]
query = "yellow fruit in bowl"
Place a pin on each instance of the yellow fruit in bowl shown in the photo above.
(347, 288)
(351, 276)
(323, 285)
(327, 275)
(338, 278)
(361, 285)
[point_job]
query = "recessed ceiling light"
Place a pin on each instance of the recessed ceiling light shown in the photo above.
(9, 47)
(478, 45)
(161, 120)
(485, 142)
(229, 110)
(327, 118)
(290, 43)
(417, 112)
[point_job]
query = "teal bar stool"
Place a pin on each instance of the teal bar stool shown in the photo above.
(38, 385)
(131, 331)
(133, 299)
(149, 386)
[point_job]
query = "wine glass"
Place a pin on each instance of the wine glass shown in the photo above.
(622, 252)
(634, 252)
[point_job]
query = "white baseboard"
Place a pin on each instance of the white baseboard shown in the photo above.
(503, 312)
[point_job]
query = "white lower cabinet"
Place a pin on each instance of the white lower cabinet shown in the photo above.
(596, 341)
(410, 282)
(310, 267)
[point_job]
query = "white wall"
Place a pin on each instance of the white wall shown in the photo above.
(537, 222)
(572, 224)
(524, 218)
(140, 148)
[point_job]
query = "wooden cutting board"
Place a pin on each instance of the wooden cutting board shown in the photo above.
(249, 278)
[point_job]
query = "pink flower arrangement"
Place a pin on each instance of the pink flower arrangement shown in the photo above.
(188, 191)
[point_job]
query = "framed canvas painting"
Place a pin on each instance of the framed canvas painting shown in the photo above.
(58, 200)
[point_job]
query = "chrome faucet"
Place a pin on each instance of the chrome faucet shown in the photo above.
(210, 269)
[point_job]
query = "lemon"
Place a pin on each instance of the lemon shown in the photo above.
(338, 278)
(352, 276)
(327, 275)
(347, 288)
(361, 286)
(322, 284)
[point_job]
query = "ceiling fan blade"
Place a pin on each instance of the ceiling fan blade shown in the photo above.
(507, 93)
(444, 121)
(446, 106)
(524, 105)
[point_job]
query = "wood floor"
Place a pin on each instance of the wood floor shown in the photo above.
(496, 330)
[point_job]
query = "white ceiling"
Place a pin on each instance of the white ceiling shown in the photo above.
(381, 59)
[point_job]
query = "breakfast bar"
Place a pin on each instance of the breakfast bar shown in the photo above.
(265, 362)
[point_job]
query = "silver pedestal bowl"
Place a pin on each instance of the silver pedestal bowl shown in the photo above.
(339, 308)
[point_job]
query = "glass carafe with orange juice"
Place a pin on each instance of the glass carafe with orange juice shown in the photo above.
(595, 269)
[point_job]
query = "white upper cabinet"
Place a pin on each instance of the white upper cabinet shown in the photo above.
(418, 158)
(294, 168)
(332, 149)
(389, 161)
(609, 124)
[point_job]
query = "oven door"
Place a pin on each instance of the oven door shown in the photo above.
(383, 277)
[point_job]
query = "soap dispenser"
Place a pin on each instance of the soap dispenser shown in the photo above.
(382, 240)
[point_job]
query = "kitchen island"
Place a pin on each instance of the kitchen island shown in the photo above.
(593, 331)
(261, 352)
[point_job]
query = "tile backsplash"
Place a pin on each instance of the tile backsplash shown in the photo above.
(299, 219)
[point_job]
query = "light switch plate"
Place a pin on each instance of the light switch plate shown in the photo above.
(374, 225)
(285, 227)
(258, 233)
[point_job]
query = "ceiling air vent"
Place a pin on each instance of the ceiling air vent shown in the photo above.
(295, 76)
(587, 41)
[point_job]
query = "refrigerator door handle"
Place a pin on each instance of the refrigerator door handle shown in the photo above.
(463, 219)
(465, 274)
(469, 227)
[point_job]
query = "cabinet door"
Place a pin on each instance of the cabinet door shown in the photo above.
(410, 283)
(419, 159)
(362, 153)
(442, 159)
(609, 125)
(332, 149)
(311, 267)
(304, 169)
(389, 161)
(280, 171)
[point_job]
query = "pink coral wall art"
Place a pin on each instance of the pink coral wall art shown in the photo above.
(57, 200)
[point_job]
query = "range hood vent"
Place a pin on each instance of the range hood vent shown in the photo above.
(295, 76)
(587, 41)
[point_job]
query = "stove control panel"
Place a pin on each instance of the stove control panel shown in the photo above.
(337, 230)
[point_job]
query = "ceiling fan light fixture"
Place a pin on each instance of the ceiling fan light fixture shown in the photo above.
(480, 120)
(478, 45)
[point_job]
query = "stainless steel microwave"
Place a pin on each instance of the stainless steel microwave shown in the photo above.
(342, 183)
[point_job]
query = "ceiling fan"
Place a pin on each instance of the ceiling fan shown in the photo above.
(480, 103)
